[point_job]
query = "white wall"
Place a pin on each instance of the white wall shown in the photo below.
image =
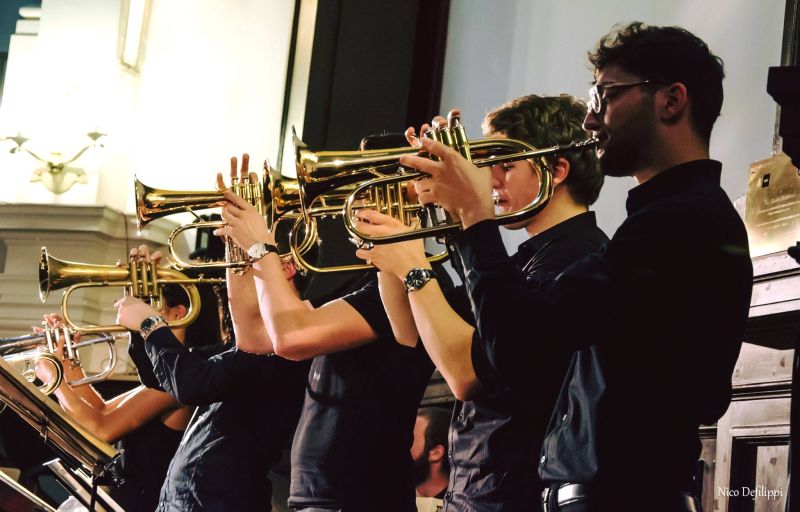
(210, 85)
(499, 50)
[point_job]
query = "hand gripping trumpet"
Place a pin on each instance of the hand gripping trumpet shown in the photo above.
(29, 349)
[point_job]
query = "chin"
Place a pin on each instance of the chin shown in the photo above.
(516, 225)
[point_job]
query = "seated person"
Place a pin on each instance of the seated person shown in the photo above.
(429, 451)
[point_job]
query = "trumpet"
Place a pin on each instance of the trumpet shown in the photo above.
(378, 176)
(28, 349)
(139, 279)
(276, 206)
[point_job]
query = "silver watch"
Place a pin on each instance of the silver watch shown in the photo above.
(417, 278)
(259, 249)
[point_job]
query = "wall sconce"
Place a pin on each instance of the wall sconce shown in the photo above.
(57, 175)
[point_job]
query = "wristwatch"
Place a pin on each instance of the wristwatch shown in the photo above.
(259, 249)
(150, 324)
(417, 278)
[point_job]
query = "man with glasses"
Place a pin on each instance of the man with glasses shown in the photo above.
(654, 319)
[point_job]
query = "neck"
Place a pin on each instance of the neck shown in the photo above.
(180, 334)
(678, 150)
(562, 207)
(434, 485)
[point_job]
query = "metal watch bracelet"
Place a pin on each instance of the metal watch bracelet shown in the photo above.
(151, 324)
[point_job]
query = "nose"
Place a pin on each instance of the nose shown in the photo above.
(591, 123)
(497, 176)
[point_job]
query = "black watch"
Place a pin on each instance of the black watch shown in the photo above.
(417, 278)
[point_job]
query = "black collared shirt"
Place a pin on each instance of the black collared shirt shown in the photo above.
(656, 319)
(495, 439)
(352, 447)
(248, 406)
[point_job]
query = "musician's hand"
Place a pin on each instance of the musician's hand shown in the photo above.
(44, 370)
(236, 172)
(397, 258)
(131, 312)
(455, 184)
(245, 225)
(143, 253)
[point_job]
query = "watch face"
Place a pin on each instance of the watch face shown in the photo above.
(416, 278)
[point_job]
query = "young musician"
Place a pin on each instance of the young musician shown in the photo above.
(351, 447)
(496, 434)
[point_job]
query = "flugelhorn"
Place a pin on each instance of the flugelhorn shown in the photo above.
(275, 196)
(378, 174)
(327, 181)
(139, 279)
(30, 348)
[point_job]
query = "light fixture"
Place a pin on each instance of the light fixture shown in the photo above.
(57, 175)
(134, 16)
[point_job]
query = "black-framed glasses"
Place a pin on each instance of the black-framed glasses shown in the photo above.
(597, 92)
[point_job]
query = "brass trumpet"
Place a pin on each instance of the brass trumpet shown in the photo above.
(139, 279)
(379, 176)
(28, 349)
(276, 205)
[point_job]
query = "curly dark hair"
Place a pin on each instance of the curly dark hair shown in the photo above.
(668, 55)
(546, 121)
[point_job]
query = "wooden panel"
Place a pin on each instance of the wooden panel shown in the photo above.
(771, 473)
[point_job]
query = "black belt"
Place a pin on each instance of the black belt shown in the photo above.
(574, 493)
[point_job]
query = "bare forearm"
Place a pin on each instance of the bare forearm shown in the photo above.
(250, 332)
(281, 309)
(447, 338)
(398, 309)
(87, 415)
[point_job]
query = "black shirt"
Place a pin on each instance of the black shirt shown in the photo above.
(495, 439)
(248, 408)
(352, 446)
(657, 318)
(146, 455)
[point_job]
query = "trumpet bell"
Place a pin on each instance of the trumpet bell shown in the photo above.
(154, 203)
(55, 274)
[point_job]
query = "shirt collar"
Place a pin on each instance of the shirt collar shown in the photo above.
(671, 181)
(531, 246)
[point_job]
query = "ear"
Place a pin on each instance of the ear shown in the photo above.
(676, 102)
(178, 311)
(436, 454)
(560, 170)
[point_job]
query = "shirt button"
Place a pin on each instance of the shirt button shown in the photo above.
(448, 495)
(544, 458)
(461, 416)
